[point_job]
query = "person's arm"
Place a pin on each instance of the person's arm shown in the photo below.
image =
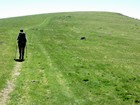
(25, 38)
(18, 37)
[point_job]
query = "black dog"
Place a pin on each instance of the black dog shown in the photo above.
(83, 38)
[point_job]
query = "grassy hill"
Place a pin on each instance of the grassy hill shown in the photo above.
(61, 69)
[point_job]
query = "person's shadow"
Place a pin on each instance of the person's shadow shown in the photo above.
(19, 60)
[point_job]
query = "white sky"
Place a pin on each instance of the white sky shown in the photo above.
(12, 8)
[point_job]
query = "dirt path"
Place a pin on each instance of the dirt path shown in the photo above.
(4, 94)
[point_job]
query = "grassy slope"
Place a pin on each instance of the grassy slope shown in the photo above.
(9, 29)
(62, 69)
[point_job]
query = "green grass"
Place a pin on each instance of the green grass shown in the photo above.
(61, 69)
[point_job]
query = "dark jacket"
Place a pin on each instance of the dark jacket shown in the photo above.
(22, 38)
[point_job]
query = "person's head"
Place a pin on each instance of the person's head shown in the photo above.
(21, 30)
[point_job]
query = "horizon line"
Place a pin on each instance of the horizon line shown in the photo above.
(16, 16)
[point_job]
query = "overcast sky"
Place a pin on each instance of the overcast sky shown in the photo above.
(12, 8)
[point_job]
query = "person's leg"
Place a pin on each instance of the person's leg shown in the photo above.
(23, 47)
(19, 51)
(23, 53)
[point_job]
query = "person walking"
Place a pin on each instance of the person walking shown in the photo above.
(21, 40)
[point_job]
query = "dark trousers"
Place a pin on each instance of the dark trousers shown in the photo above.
(21, 47)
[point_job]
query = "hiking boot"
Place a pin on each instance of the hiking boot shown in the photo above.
(22, 59)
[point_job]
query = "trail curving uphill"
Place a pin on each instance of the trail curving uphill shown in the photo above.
(5, 93)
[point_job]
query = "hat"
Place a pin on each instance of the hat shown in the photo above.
(21, 30)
